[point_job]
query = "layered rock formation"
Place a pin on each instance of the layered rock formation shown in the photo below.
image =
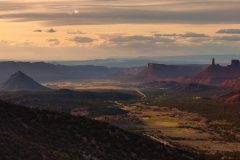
(216, 74)
(169, 72)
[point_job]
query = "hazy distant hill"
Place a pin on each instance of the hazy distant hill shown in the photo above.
(43, 135)
(49, 72)
(121, 62)
(143, 61)
(21, 82)
(41, 71)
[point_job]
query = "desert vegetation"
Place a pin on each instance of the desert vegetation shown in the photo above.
(34, 134)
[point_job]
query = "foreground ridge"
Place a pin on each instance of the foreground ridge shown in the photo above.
(34, 134)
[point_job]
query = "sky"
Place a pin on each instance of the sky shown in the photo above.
(98, 29)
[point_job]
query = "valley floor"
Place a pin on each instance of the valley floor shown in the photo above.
(173, 123)
(175, 128)
(170, 125)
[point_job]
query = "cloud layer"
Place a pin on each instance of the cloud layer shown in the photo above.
(125, 12)
(229, 31)
(102, 28)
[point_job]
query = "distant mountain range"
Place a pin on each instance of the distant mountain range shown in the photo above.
(41, 71)
(21, 82)
(143, 61)
(214, 74)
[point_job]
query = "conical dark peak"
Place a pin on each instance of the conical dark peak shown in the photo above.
(19, 74)
(19, 81)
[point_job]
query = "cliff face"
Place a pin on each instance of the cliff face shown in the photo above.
(233, 84)
(212, 75)
(231, 97)
(159, 72)
(162, 72)
(216, 74)
(172, 71)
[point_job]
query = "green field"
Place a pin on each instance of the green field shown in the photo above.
(181, 128)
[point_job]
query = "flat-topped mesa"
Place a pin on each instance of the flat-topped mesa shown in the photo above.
(235, 63)
(171, 71)
(153, 67)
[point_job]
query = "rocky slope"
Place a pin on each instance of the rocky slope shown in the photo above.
(233, 84)
(43, 135)
(231, 97)
(216, 74)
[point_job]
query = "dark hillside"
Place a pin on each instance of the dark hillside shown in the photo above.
(94, 102)
(43, 135)
(49, 72)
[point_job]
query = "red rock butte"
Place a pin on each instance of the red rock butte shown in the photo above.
(216, 74)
